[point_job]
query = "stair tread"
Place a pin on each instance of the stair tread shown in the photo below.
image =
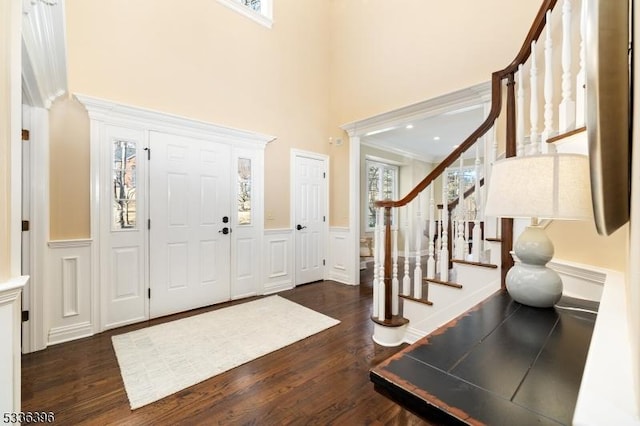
(495, 240)
(424, 301)
(566, 134)
(447, 283)
(468, 262)
(395, 321)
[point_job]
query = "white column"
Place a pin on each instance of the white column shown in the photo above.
(381, 286)
(431, 262)
(381, 312)
(533, 109)
(567, 113)
(548, 87)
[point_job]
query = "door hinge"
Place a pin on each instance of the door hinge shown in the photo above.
(148, 293)
(25, 135)
(25, 316)
(324, 218)
(324, 262)
(324, 175)
(148, 223)
(25, 225)
(148, 153)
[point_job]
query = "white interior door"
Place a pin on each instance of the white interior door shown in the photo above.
(189, 211)
(309, 218)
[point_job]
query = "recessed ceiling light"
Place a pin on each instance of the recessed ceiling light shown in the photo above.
(436, 138)
(409, 126)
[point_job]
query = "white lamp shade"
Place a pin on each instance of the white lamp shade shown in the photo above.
(548, 186)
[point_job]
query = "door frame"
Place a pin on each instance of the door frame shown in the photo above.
(295, 154)
(104, 113)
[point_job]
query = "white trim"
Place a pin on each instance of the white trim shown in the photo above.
(132, 117)
(295, 153)
(70, 332)
(44, 65)
(104, 113)
(463, 98)
(264, 18)
(398, 151)
(445, 103)
(60, 244)
(278, 264)
(607, 392)
(337, 258)
(15, 139)
(39, 230)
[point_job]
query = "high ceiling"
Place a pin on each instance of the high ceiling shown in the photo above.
(430, 139)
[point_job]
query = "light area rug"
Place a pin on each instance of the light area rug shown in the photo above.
(158, 361)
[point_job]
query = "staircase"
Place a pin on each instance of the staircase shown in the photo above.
(543, 94)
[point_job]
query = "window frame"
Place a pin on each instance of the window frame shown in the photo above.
(395, 190)
(264, 17)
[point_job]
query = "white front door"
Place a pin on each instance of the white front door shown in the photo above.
(190, 228)
(309, 217)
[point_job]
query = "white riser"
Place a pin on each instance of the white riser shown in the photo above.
(473, 277)
(448, 303)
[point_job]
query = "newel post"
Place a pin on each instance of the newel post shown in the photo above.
(507, 223)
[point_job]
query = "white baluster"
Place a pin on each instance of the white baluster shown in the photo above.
(394, 280)
(520, 114)
(581, 77)
(438, 241)
(381, 300)
(417, 274)
(533, 109)
(376, 262)
(431, 262)
(444, 252)
(567, 113)
(459, 249)
(381, 283)
(476, 248)
(406, 280)
(548, 87)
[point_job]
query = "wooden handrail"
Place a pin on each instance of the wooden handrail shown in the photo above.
(496, 107)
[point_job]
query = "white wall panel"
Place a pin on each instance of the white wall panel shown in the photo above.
(278, 274)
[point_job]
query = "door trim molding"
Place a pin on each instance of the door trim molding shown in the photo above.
(295, 153)
(103, 113)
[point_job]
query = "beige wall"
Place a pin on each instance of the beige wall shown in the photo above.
(199, 59)
(5, 141)
(579, 242)
(69, 170)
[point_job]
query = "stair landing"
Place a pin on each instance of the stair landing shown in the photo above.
(500, 363)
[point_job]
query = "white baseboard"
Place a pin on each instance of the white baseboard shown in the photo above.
(70, 332)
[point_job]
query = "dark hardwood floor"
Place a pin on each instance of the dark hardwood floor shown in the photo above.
(323, 379)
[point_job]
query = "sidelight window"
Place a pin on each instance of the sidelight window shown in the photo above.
(244, 191)
(125, 178)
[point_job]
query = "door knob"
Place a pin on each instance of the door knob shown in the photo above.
(299, 227)
(224, 231)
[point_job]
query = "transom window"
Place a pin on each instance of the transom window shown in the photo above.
(260, 11)
(382, 184)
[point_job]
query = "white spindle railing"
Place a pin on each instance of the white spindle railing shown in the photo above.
(548, 86)
(431, 261)
(567, 113)
(533, 109)
(444, 251)
(459, 230)
(417, 273)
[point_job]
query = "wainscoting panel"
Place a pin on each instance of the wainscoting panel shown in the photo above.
(278, 274)
(69, 290)
(339, 262)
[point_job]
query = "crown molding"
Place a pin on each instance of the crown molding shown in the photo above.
(463, 98)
